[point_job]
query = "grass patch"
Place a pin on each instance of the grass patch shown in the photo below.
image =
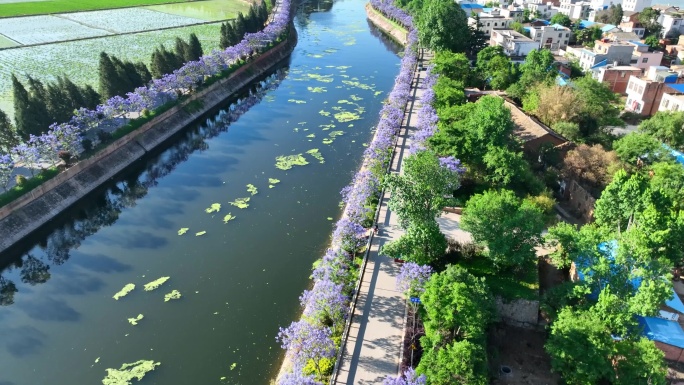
(209, 10)
(509, 285)
(20, 8)
(17, 191)
(394, 23)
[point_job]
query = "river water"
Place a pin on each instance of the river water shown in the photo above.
(240, 281)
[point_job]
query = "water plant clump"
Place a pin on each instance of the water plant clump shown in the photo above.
(252, 189)
(272, 182)
(134, 321)
(200, 233)
(316, 89)
(298, 101)
(346, 116)
(174, 294)
(229, 217)
(286, 162)
(215, 207)
(183, 230)
(156, 283)
(316, 154)
(124, 375)
(240, 203)
(124, 292)
(324, 112)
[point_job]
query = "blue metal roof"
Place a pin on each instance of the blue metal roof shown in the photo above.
(657, 329)
(608, 27)
(677, 87)
(558, 26)
(602, 63)
(487, 10)
(586, 23)
(638, 43)
(471, 6)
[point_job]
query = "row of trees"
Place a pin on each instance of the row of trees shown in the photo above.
(233, 31)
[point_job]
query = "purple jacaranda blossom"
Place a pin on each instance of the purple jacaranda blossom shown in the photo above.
(349, 235)
(304, 341)
(325, 302)
(409, 378)
(6, 169)
(412, 278)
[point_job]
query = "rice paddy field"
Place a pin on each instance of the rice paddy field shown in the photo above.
(38, 7)
(102, 31)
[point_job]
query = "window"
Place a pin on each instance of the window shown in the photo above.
(622, 74)
(666, 103)
(567, 34)
(495, 24)
(487, 24)
(560, 35)
(644, 60)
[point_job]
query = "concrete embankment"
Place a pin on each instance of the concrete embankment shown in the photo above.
(397, 33)
(28, 213)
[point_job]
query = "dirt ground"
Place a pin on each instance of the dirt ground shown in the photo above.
(523, 351)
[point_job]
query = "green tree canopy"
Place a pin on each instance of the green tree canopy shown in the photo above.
(448, 92)
(461, 362)
(8, 134)
(455, 66)
(668, 127)
(648, 17)
(423, 243)
(639, 147)
(562, 19)
(421, 191)
(509, 227)
(443, 25)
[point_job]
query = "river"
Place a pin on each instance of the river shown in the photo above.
(239, 281)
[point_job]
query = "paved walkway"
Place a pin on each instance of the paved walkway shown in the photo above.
(373, 348)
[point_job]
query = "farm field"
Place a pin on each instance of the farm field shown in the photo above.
(79, 59)
(21, 8)
(209, 10)
(5, 42)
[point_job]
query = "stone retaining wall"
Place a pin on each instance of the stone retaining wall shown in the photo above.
(28, 213)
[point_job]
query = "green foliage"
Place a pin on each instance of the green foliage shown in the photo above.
(508, 227)
(442, 25)
(668, 178)
(639, 147)
(325, 365)
(448, 92)
(561, 19)
(648, 17)
(653, 42)
(455, 66)
(588, 36)
(419, 193)
(666, 127)
(523, 284)
(17, 191)
(569, 130)
(461, 362)
(612, 15)
(537, 68)
(456, 306)
(580, 348)
(119, 77)
(30, 111)
(423, 243)
(496, 68)
(8, 134)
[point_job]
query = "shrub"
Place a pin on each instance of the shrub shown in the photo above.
(87, 144)
(325, 364)
(20, 180)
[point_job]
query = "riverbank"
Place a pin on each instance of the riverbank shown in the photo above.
(392, 29)
(28, 213)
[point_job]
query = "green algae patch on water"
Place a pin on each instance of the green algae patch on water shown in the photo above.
(183, 230)
(134, 321)
(272, 182)
(317, 90)
(128, 372)
(156, 283)
(298, 101)
(174, 294)
(311, 136)
(215, 207)
(124, 292)
(229, 217)
(316, 154)
(200, 233)
(346, 116)
(355, 98)
(252, 189)
(240, 203)
(334, 134)
(327, 141)
(321, 78)
(287, 162)
(324, 112)
(326, 127)
(358, 85)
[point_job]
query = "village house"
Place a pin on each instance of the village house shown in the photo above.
(616, 77)
(644, 93)
(552, 37)
(513, 43)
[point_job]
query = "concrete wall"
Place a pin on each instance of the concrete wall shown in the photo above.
(521, 313)
(28, 213)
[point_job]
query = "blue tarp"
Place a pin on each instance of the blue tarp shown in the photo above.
(638, 43)
(677, 87)
(668, 332)
(675, 302)
(471, 6)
